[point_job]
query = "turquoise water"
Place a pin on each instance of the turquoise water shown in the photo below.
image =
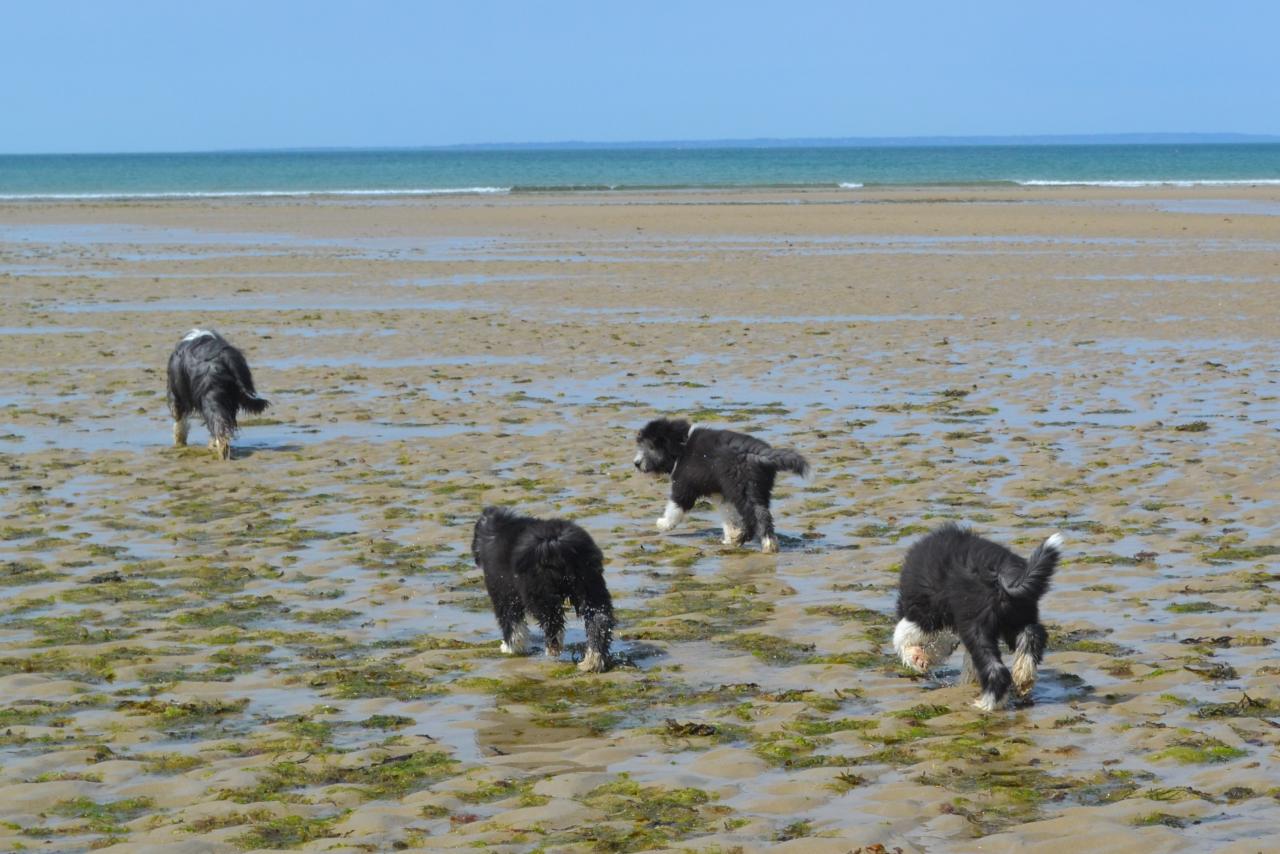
(531, 170)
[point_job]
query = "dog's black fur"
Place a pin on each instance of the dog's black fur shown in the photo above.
(736, 468)
(530, 567)
(955, 583)
(210, 377)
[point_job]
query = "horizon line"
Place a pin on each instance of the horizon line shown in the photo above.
(935, 140)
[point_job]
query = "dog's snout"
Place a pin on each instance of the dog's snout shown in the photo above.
(636, 463)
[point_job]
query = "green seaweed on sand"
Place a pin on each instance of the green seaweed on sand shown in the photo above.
(1162, 819)
(770, 648)
(1227, 554)
(497, 790)
(183, 713)
(1200, 750)
(100, 817)
(698, 609)
(386, 775)
(1198, 607)
(238, 611)
(641, 818)
(288, 831)
(1245, 707)
(849, 612)
(379, 678)
(386, 722)
(169, 763)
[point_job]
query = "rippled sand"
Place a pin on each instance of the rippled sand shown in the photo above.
(293, 649)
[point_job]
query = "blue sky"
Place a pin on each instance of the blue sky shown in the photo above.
(185, 75)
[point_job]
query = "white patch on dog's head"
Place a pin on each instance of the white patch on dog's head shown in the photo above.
(197, 333)
(920, 650)
(907, 633)
(639, 459)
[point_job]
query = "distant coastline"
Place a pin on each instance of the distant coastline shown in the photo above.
(874, 142)
(1172, 160)
(988, 140)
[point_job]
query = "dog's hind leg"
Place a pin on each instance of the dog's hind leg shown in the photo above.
(219, 414)
(595, 606)
(516, 640)
(757, 521)
(1027, 654)
(760, 520)
(551, 620)
(735, 533)
(992, 674)
(515, 632)
(180, 429)
(968, 675)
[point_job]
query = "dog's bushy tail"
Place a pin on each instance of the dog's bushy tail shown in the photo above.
(785, 459)
(251, 403)
(562, 551)
(1033, 581)
(249, 400)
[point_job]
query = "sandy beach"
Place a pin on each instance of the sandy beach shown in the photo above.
(293, 650)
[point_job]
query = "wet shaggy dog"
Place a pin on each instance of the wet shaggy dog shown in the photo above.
(735, 470)
(530, 567)
(957, 587)
(211, 378)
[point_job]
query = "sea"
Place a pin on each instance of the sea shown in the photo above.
(421, 171)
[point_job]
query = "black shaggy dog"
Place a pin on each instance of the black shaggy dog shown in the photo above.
(530, 567)
(955, 583)
(733, 469)
(210, 377)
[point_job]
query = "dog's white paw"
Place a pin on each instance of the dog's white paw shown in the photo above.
(519, 644)
(1024, 676)
(769, 545)
(664, 524)
(986, 702)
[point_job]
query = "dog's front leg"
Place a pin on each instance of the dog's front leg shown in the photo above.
(673, 516)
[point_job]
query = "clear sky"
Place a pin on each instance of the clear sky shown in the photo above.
(182, 75)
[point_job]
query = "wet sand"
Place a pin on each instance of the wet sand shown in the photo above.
(293, 650)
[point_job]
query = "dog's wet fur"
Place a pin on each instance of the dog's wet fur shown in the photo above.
(958, 588)
(733, 469)
(210, 378)
(531, 566)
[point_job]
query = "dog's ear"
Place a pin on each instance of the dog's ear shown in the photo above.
(675, 432)
(655, 433)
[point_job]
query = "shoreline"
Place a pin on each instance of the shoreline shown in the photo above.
(855, 191)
